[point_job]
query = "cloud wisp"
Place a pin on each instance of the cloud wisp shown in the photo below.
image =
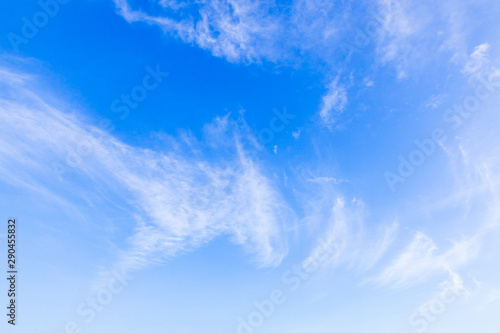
(180, 197)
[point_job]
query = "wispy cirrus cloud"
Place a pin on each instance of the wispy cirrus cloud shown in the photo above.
(478, 63)
(236, 30)
(411, 30)
(248, 31)
(352, 241)
(180, 198)
(422, 259)
(255, 31)
(333, 103)
(469, 202)
(343, 226)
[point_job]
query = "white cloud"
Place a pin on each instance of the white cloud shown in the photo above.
(421, 260)
(450, 290)
(333, 103)
(296, 134)
(248, 30)
(376, 249)
(478, 62)
(179, 198)
(413, 30)
(435, 101)
(236, 30)
(340, 226)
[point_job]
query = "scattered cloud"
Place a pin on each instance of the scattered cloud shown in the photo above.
(410, 30)
(341, 227)
(333, 103)
(478, 62)
(250, 31)
(435, 101)
(240, 31)
(296, 134)
(422, 259)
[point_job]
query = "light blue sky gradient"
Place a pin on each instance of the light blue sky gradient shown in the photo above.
(173, 165)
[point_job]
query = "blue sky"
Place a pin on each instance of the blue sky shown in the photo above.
(252, 166)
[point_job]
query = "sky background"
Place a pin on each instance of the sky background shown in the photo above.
(268, 132)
